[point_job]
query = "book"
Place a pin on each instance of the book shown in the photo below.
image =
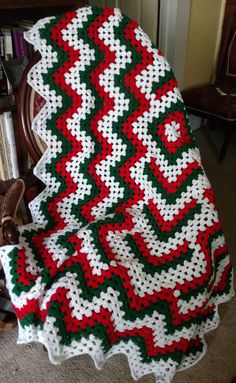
(26, 25)
(2, 176)
(3, 154)
(10, 145)
(8, 51)
(3, 80)
(8, 47)
(20, 45)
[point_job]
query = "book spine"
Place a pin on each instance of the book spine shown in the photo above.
(2, 177)
(3, 155)
(9, 173)
(8, 47)
(3, 80)
(11, 143)
(15, 42)
(8, 43)
(19, 44)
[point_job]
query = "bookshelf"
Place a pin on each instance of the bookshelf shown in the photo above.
(12, 11)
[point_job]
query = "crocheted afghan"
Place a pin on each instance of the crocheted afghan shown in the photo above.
(125, 253)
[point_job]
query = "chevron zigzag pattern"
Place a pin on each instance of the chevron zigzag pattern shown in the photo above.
(126, 252)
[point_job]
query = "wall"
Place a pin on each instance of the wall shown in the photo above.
(205, 23)
(145, 12)
(173, 34)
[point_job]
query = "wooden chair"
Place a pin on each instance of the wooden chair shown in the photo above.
(27, 185)
(217, 102)
(27, 99)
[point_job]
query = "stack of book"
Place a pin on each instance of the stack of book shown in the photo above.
(14, 54)
(13, 49)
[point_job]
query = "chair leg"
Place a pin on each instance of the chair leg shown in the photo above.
(225, 143)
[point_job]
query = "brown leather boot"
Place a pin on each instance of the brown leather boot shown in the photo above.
(8, 210)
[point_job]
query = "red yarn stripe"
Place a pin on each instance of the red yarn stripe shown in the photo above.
(108, 104)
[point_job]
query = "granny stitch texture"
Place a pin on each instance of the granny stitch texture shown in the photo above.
(126, 252)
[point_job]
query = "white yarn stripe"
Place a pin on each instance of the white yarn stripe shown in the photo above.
(53, 102)
(106, 125)
(158, 247)
(90, 251)
(169, 210)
